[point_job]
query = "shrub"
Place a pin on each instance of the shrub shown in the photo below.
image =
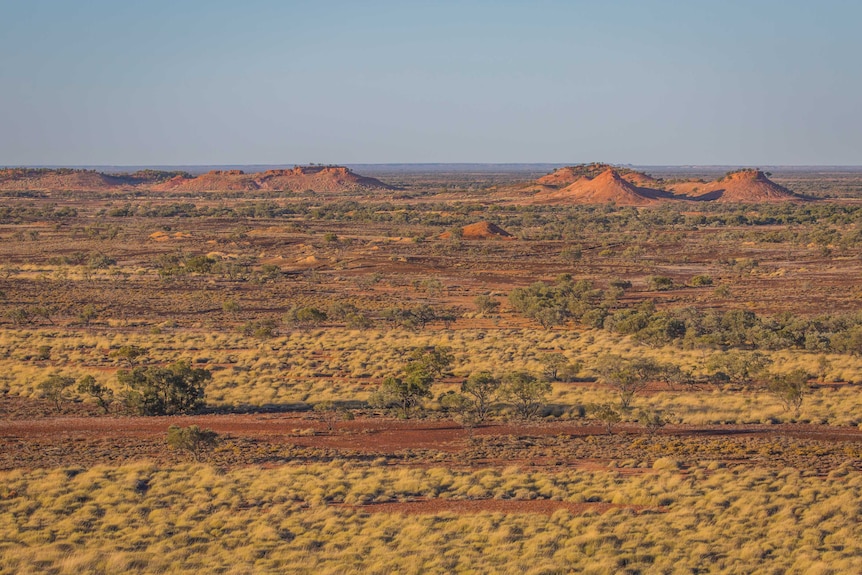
(700, 280)
(525, 392)
(486, 305)
(191, 439)
(155, 390)
(660, 283)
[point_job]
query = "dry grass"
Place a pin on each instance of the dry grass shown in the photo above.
(337, 364)
(143, 519)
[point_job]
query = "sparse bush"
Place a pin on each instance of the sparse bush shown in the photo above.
(486, 305)
(330, 413)
(305, 317)
(653, 420)
(790, 388)
(700, 280)
(192, 439)
(606, 413)
(660, 283)
(263, 328)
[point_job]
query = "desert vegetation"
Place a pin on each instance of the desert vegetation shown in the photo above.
(427, 376)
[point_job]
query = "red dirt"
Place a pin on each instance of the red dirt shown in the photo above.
(379, 434)
(276, 439)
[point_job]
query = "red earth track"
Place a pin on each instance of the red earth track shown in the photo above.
(379, 434)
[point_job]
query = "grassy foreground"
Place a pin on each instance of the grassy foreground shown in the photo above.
(193, 519)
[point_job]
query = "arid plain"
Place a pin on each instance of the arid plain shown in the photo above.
(600, 369)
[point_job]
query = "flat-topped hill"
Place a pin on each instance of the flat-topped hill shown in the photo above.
(743, 187)
(568, 175)
(606, 187)
(20, 179)
(298, 179)
(69, 179)
(601, 183)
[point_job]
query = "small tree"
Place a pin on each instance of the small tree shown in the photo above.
(155, 390)
(87, 314)
(738, 366)
(462, 406)
(424, 365)
(129, 354)
(87, 385)
(192, 439)
(525, 392)
(555, 365)
(54, 389)
(402, 394)
(626, 377)
(481, 389)
(331, 414)
(607, 414)
(790, 389)
(434, 360)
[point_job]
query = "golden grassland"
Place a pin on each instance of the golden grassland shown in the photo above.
(338, 364)
(141, 518)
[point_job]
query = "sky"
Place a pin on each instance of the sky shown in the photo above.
(651, 82)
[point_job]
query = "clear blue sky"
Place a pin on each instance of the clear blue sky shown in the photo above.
(218, 82)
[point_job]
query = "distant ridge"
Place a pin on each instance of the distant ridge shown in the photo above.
(300, 178)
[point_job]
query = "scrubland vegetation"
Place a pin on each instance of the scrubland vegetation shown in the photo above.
(656, 390)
